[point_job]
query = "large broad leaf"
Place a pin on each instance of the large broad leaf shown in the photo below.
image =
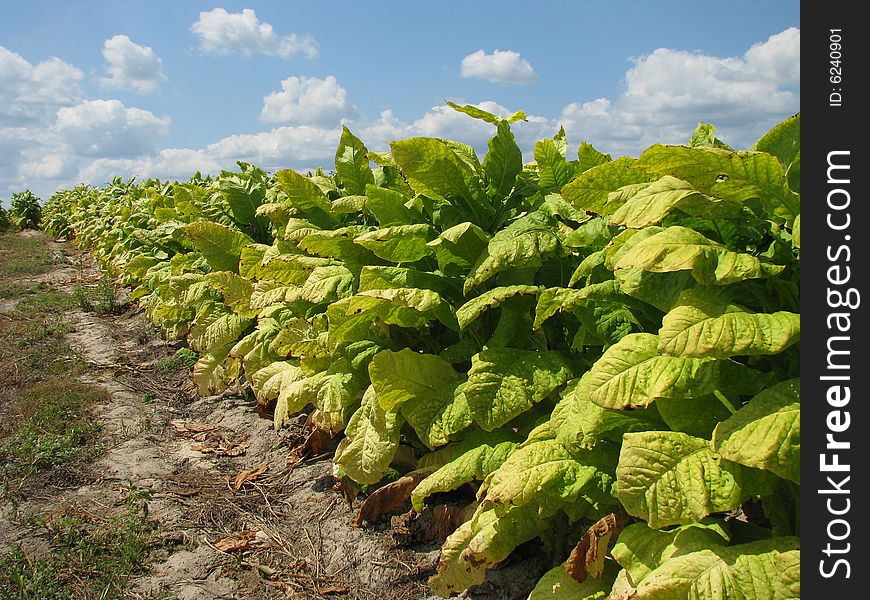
(399, 377)
(588, 157)
(388, 206)
(220, 245)
(506, 382)
(504, 161)
(472, 309)
(458, 248)
(339, 244)
(703, 323)
(544, 476)
(372, 438)
(209, 374)
(377, 277)
(640, 550)
(553, 170)
(480, 544)
(556, 299)
(268, 382)
(406, 307)
(304, 195)
(433, 168)
(737, 176)
(479, 454)
(327, 284)
(590, 190)
(679, 248)
(525, 243)
(215, 327)
(671, 478)
(582, 424)
(661, 290)
(333, 392)
(352, 163)
(399, 243)
(243, 194)
(767, 569)
(437, 418)
(783, 141)
(632, 373)
(557, 584)
(651, 203)
(236, 290)
(766, 432)
(486, 116)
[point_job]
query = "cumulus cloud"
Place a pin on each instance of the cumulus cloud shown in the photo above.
(502, 66)
(132, 68)
(106, 128)
(308, 101)
(667, 92)
(32, 93)
(221, 32)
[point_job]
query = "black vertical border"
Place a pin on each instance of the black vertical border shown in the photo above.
(827, 128)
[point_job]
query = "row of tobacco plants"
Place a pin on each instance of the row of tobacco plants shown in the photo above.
(604, 351)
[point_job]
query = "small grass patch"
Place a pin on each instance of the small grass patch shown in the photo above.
(22, 255)
(184, 358)
(49, 426)
(99, 299)
(90, 556)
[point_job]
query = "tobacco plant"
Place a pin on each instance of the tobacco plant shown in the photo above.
(603, 350)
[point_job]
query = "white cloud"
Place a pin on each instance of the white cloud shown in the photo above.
(221, 32)
(106, 128)
(33, 93)
(131, 67)
(308, 101)
(667, 92)
(502, 66)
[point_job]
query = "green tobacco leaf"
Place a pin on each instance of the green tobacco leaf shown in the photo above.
(553, 300)
(243, 197)
(327, 284)
(437, 417)
(641, 550)
(458, 248)
(434, 169)
(728, 175)
(472, 309)
(704, 324)
(590, 189)
(557, 584)
(208, 373)
(506, 382)
(783, 141)
(352, 163)
(339, 244)
(631, 373)
(480, 544)
(377, 277)
(589, 157)
(764, 569)
(304, 195)
(399, 243)
(215, 327)
(220, 245)
(388, 206)
(483, 115)
(553, 170)
(695, 416)
(661, 290)
(406, 307)
(544, 476)
(268, 382)
(333, 392)
(504, 161)
(582, 424)
(766, 432)
(679, 248)
(372, 438)
(671, 478)
(236, 290)
(524, 243)
(399, 377)
(652, 202)
(474, 463)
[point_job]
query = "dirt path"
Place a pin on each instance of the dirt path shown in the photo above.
(285, 532)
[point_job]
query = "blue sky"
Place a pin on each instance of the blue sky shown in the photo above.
(90, 90)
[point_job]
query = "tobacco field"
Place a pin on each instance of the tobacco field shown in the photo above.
(596, 356)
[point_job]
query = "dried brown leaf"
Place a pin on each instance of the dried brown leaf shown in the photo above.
(248, 475)
(587, 558)
(389, 497)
